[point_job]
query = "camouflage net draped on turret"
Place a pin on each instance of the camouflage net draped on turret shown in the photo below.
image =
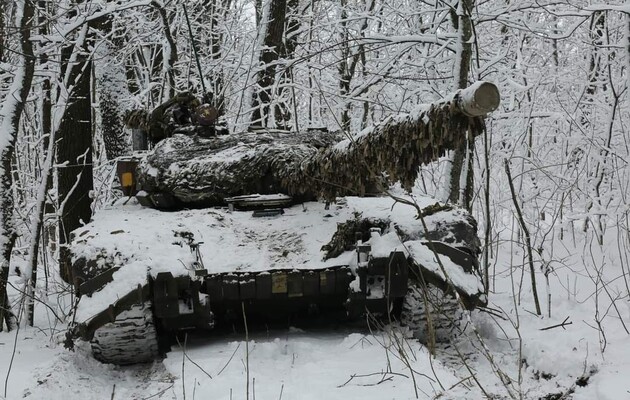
(391, 152)
(204, 171)
(315, 164)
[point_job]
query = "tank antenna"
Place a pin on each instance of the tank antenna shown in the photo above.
(192, 41)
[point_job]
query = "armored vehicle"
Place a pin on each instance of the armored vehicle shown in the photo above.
(226, 229)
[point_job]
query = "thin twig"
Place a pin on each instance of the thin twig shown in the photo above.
(158, 393)
(385, 376)
(246, 349)
(528, 243)
(198, 366)
(231, 357)
(281, 390)
(562, 324)
(183, 363)
(17, 332)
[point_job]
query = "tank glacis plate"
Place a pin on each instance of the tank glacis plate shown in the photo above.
(145, 241)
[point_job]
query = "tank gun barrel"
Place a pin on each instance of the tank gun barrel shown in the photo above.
(396, 147)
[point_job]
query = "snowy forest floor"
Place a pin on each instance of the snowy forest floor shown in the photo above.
(582, 360)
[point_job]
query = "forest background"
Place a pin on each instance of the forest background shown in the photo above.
(549, 180)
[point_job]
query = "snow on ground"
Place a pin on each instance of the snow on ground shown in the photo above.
(287, 364)
(307, 365)
(329, 364)
(337, 364)
(518, 358)
(43, 369)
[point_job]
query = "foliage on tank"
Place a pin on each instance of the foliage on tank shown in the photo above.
(202, 171)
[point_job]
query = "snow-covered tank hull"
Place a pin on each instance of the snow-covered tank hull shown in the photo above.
(207, 268)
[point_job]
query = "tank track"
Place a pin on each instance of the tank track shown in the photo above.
(429, 312)
(451, 343)
(130, 339)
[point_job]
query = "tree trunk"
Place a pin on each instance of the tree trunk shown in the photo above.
(272, 48)
(11, 112)
(258, 8)
(74, 156)
(46, 84)
(36, 227)
(213, 14)
(3, 40)
(628, 49)
(459, 191)
(590, 115)
(349, 60)
(111, 86)
(597, 27)
(6, 315)
(283, 111)
(171, 53)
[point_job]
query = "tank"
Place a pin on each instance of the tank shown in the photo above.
(221, 230)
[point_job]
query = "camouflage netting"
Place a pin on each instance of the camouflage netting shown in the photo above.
(447, 224)
(204, 171)
(393, 150)
(345, 238)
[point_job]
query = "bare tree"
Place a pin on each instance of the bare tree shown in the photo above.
(460, 192)
(111, 87)
(349, 59)
(273, 27)
(74, 153)
(11, 112)
(213, 14)
(170, 51)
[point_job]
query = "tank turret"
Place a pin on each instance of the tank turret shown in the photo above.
(187, 170)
